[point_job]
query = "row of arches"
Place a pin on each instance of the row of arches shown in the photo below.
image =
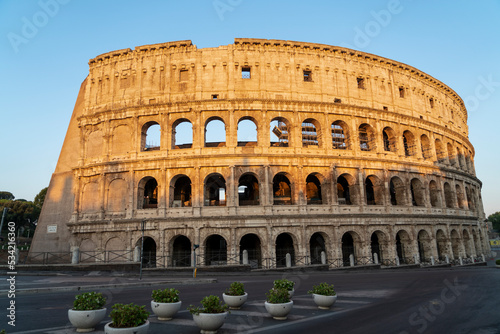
(342, 137)
(377, 247)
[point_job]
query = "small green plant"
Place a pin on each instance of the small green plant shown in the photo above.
(210, 304)
(284, 284)
(3, 331)
(497, 262)
(235, 289)
(89, 301)
(278, 296)
(323, 289)
(165, 296)
(129, 315)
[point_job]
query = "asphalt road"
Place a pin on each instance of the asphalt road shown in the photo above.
(448, 300)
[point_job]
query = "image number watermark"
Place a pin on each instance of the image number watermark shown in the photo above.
(11, 280)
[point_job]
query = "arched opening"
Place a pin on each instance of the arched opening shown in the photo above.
(374, 190)
(451, 155)
(345, 193)
(340, 135)
(477, 242)
(460, 197)
(282, 191)
(424, 246)
(348, 249)
(467, 244)
(148, 252)
(247, 132)
(248, 190)
(150, 136)
(448, 196)
(313, 190)
(425, 145)
(148, 188)
(215, 132)
(316, 247)
(181, 252)
(389, 139)
(215, 190)
(279, 132)
(434, 194)
(375, 248)
(397, 191)
(440, 152)
(251, 244)
(409, 143)
(182, 134)
(460, 159)
(442, 245)
(366, 137)
(284, 245)
(455, 244)
(182, 192)
(403, 247)
(310, 133)
(417, 192)
(215, 251)
(470, 199)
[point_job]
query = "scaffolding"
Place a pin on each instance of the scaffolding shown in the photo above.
(339, 138)
(309, 135)
(281, 131)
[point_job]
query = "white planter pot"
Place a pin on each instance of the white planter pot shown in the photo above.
(209, 323)
(143, 329)
(279, 311)
(291, 292)
(324, 302)
(85, 321)
(235, 302)
(165, 311)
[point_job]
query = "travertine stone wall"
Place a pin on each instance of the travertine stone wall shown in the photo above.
(400, 183)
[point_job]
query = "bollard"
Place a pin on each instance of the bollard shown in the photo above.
(432, 260)
(288, 260)
(351, 260)
(75, 255)
(461, 261)
(447, 259)
(482, 256)
(375, 258)
(245, 256)
(397, 261)
(323, 257)
(415, 257)
(137, 254)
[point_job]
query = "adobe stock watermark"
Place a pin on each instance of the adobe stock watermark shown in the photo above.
(373, 28)
(30, 26)
(430, 311)
(223, 6)
(482, 92)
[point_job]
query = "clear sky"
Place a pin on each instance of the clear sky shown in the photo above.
(45, 46)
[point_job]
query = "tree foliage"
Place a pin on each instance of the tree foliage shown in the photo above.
(40, 198)
(6, 195)
(495, 220)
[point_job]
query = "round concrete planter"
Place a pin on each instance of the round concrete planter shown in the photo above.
(324, 302)
(235, 302)
(142, 329)
(279, 311)
(209, 323)
(291, 292)
(85, 321)
(165, 311)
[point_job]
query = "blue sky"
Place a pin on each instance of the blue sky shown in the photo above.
(46, 44)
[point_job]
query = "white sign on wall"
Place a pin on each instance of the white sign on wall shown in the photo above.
(51, 228)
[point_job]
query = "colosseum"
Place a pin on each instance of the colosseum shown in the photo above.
(269, 153)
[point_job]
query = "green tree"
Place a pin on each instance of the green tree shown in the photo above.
(23, 213)
(495, 220)
(6, 195)
(40, 198)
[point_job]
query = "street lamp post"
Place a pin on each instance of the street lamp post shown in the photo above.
(142, 249)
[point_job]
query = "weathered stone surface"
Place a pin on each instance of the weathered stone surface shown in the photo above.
(373, 157)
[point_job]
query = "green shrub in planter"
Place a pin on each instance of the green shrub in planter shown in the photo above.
(126, 316)
(210, 304)
(323, 289)
(284, 284)
(278, 296)
(89, 301)
(497, 262)
(3, 331)
(235, 289)
(165, 296)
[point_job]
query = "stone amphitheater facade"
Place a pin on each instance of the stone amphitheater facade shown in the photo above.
(353, 155)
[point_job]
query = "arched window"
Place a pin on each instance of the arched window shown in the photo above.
(451, 155)
(215, 250)
(247, 132)
(150, 136)
(279, 132)
(440, 152)
(248, 190)
(215, 190)
(397, 191)
(374, 190)
(460, 197)
(434, 194)
(417, 192)
(340, 135)
(366, 137)
(148, 193)
(346, 192)
(426, 147)
(409, 143)
(460, 159)
(215, 132)
(182, 192)
(389, 139)
(313, 190)
(182, 134)
(448, 196)
(282, 191)
(310, 133)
